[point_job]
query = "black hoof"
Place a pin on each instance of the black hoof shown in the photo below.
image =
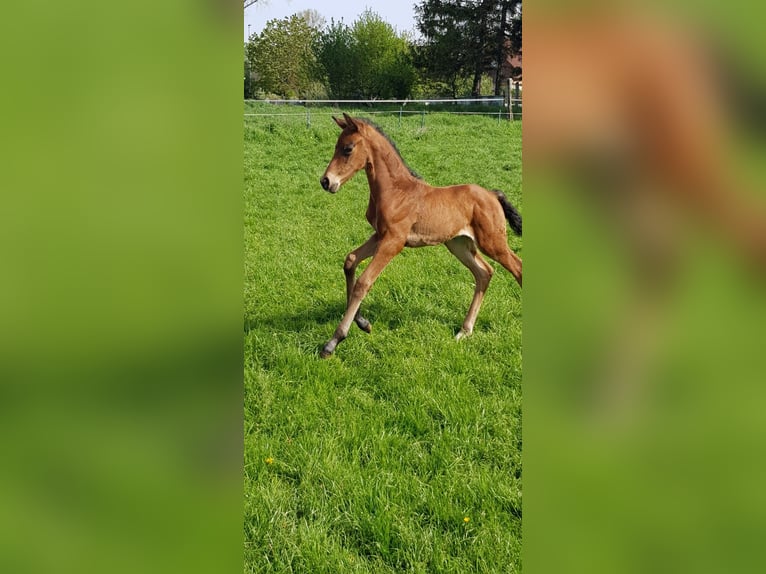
(364, 324)
(327, 350)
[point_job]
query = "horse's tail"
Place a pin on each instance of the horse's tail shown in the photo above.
(513, 216)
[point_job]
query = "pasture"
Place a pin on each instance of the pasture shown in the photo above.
(401, 452)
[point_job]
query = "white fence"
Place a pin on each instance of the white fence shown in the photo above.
(508, 108)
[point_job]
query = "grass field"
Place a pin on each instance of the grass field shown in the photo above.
(402, 452)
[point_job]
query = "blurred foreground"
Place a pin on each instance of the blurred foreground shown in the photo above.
(121, 288)
(644, 361)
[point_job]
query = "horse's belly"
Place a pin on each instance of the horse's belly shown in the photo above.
(416, 240)
(423, 237)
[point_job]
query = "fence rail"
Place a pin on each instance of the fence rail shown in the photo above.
(509, 108)
(500, 99)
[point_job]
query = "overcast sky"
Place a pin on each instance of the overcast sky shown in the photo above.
(399, 13)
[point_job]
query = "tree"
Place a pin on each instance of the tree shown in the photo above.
(384, 65)
(466, 38)
(282, 56)
(249, 87)
(314, 19)
(443, 54)
(367, 59)
(337, 60)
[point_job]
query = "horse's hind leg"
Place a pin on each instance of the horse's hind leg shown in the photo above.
(465, 250)
(497, 248)
(353, 259)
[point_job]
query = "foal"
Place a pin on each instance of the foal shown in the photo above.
(405, 211)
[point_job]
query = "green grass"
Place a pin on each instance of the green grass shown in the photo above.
(371, 460)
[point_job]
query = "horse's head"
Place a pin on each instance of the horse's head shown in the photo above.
(350, 155)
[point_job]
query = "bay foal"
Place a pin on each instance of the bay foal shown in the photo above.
(405, 211)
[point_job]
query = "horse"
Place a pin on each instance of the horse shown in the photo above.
(405, 211)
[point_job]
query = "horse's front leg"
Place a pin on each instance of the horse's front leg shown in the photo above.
(353, 259)
(386, 251)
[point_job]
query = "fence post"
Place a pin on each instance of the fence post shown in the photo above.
(422, 118)
(400, 115)
(308, 117)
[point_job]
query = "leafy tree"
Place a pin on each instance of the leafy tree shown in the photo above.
(314, 19)
(368, 59)
(337, 60)
(249, 84)
(385, 68)
(443, 55)
(282, 56)
(466, 39)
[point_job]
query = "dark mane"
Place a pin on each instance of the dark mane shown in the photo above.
(378, 129)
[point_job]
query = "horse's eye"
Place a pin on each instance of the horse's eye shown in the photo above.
(348, 149)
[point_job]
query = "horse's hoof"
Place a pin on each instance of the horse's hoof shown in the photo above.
(327, 350)
(461, 334)
(364, 324)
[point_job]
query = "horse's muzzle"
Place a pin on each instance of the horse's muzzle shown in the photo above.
(327, 186)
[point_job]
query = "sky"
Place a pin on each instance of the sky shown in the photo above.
(399, 13)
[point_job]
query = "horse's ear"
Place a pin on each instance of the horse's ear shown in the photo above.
(341, 123)
(352, 125)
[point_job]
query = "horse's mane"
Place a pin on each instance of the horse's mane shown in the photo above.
(378, 129)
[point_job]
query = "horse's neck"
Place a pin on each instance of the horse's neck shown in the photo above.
(385, 170)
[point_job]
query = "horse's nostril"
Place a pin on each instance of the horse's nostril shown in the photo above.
(325, 183)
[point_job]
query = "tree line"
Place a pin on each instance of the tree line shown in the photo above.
(462, 49)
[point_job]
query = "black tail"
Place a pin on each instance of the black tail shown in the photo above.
(513, 216)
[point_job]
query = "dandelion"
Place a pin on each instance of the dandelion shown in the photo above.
(269, 460)
(466, 520)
